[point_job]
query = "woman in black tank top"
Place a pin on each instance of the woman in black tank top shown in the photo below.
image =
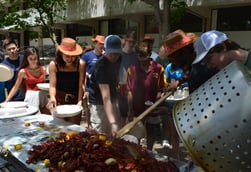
(67, 73)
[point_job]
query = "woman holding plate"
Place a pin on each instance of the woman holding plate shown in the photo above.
(67, 73)
(31, 73)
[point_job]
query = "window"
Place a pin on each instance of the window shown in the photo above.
(234, 19)
(74, 30)
(117, 26)
(151, 25)
(189, 23)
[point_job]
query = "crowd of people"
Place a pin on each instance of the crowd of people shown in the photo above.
(119, 77)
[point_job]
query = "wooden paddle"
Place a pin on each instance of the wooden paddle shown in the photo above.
(131, 124)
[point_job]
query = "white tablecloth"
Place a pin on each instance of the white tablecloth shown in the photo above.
(14, 131)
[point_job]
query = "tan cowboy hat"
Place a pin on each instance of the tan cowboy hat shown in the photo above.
(177, 40)
(70, 47)
(99, 38)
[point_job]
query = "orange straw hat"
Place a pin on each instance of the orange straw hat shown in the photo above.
(70, 47)
(177, 40)
(99, 38)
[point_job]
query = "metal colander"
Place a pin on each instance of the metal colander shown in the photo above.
(214, 122)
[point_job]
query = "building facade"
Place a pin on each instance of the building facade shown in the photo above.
(86, 18)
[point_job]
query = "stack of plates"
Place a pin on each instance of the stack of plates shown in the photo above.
(67, 110)
(16, 109)
(14, 104)
(43, 86)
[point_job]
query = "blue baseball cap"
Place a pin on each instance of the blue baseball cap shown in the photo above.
(112, 44)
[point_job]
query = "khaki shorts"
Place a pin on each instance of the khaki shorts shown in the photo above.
(99, 121)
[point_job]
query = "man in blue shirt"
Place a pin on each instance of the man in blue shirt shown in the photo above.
(90, 59)
(14, 61)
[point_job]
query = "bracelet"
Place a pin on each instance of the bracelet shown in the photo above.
(113, 123)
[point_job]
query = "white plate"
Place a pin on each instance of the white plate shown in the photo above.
(43, 86)
(172, 98)
(178, 96)
(67, 110)
(6, 72)
(17, 112)
(14, 104)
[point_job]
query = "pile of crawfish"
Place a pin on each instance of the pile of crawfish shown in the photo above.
(92, 151)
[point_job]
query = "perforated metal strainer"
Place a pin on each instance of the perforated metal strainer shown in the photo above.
(214, 122)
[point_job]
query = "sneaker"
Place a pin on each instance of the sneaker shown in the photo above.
(166, 144)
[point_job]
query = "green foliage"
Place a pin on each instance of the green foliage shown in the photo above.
(171, 14)
(44, 12)
(33, 35)
(180, 8)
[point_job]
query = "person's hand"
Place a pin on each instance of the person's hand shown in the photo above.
(86, 94)
(173, 85)
(51, 104)
(80, 103)
(114, 129)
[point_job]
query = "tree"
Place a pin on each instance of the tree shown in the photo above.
(37, 13)
(167, 12)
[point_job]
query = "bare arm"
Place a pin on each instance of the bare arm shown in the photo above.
(53, 80)
(44, 72)
(21, 75)
(130, 106)
(108, 106)
(81, 86)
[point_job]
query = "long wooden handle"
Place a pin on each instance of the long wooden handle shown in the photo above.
(131, 124)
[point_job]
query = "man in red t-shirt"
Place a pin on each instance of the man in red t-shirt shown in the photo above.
(145, 82)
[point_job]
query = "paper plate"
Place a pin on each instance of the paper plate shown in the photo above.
(17, 112)
(43, 86)
(67, 110)
(14, 104)
(178, 95)
(6, 72)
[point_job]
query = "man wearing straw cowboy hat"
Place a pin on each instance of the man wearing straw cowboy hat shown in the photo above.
(173, 46)
(178, 48)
